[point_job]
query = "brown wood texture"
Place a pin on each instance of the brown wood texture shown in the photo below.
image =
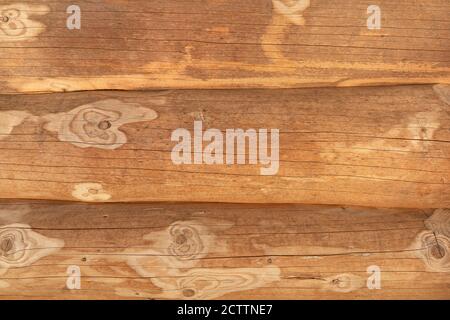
(227, 251)
(88, 180)
(378, 146)
(148, 44)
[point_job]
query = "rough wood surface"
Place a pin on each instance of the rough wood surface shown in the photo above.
(377, 146)
(210, 251)
(385, 147)
(221, 44)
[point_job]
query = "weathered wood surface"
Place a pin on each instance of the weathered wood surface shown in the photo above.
(221, 44)
(209, 251)
(377, 146)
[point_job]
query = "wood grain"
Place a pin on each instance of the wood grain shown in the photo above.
(379, 146)
(148, 44)
(228, 251)
(88, 116)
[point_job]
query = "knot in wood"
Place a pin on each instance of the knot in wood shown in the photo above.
(342, 282)
(437, 251)
(434, 251)
(186, 243)
(12, 243)
(181, 239)
(439, 222)
(93, 191)
(188, 293)
(6, 245)
(104, 125)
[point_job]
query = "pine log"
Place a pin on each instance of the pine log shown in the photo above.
(172, 44)
(228, 251)
(372, 146)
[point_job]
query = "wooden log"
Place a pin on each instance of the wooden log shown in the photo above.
(145, 44)
(228, 251)
(377, 146)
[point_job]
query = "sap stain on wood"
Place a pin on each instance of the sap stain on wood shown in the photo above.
(379, 146)
(9, 120)
(207, 251)
(434, 244)
(97, 124)
(292, 9)
(189, 243)
(385, 146)
(443, 91)
(90, 192)
(283, 43)
(20, 246)
(17, 22)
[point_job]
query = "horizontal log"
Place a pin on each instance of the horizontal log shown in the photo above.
(210, 251)
(377, 146)
(148, 44)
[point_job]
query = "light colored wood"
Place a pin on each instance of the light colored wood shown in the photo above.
(385, 147)
(378, 146)
(147, 44)
(213, 251)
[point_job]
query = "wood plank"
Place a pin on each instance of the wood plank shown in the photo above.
(143, 44)
(228, 251)
(377, 146)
